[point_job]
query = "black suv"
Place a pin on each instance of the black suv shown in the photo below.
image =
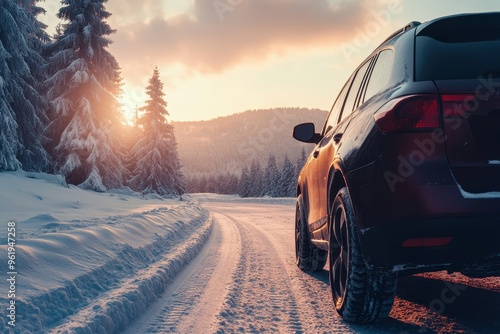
(405, 174)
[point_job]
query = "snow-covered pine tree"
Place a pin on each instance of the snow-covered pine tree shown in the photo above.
(232, 184)
(34, 156)
(287, 178)
(245, 184)
(271, 177)
(36, 31)
(158, 168)
(22, 107)
(83, 87)
(9, 142)
(229, 183)
(256, 179)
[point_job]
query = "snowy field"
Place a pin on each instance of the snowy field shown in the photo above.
(86, 261)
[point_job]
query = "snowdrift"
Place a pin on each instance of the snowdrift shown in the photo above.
(90, 262)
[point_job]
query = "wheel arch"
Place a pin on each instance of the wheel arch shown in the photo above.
(302, 190)
(336, 181)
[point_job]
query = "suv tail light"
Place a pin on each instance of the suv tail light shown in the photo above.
(457, 105)
(409, 114)
(426, 242)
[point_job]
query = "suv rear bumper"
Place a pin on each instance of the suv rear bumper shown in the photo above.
(428, 204)
(474, 246)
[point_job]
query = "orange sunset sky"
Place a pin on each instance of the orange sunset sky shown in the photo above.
(219, 57)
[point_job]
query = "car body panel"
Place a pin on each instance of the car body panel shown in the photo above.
(420, 184)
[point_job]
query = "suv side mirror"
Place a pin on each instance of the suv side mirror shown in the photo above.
(306, 133)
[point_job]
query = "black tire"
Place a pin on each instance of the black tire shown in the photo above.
(360, 294)
(307, 256)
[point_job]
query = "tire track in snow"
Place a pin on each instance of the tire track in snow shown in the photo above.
(191, 303)
(311, 291)
(260, 298)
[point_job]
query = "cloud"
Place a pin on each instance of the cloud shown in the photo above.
(219, 34)
(125, 12)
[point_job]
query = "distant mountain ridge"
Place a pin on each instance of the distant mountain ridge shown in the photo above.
(226, 144)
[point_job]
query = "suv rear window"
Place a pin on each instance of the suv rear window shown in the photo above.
(459, 48)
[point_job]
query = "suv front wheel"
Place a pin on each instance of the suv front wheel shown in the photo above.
(360, 294)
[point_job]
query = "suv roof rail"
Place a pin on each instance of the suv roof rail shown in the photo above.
(407, 27)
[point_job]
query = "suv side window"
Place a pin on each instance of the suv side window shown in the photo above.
(353, 92)
(380, 74)
(333, 117)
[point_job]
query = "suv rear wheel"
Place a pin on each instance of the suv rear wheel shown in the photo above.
(360, 294)
(307, 256)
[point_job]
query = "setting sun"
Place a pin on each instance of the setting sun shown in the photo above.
(261, 54)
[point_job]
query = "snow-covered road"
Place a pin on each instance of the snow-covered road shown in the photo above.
(121, 262)
(245, 281)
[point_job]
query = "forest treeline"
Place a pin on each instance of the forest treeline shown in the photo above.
(227, 144)
(271, 180)
(60, 110)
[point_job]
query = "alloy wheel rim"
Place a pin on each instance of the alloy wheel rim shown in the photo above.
(339, 250)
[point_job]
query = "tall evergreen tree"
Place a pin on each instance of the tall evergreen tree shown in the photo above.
(9, 141)
(158, 167)
(232, 184)
(22, 107)
(83, 87)
(245, 183)
(271, 177)
(287, 179)
(256, 186)
(35, 30)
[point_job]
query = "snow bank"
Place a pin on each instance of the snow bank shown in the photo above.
(91, 262)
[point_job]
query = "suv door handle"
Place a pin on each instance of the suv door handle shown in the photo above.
(337, 137)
